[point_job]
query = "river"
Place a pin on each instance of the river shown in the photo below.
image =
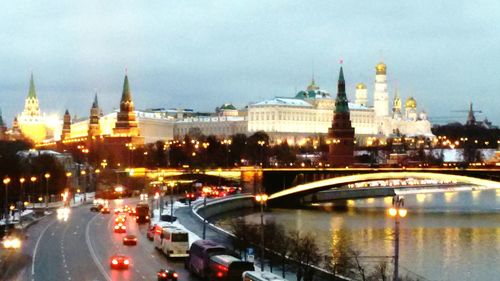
(445, 236)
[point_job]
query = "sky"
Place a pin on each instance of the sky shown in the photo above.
(201, 54)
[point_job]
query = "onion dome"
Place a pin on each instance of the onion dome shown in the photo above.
(381, 68)
(410, 103)
(360, 86)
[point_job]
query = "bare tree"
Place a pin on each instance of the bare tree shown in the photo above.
(361, 271)
(306, 253)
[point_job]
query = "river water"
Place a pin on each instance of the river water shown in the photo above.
(445, 236)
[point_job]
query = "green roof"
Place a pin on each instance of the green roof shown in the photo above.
(341, 102)
(32, 92)
(227, 106)
(126, 95)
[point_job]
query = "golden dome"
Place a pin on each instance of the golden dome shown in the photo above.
(410, 103)
(360, 86)
(381, 68)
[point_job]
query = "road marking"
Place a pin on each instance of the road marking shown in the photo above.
(36, 248)
(92, 252)
(143, 277)
(75, 233)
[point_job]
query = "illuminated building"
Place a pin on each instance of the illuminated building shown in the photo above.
(361, 95)
(381, 94)
(341, 134)
(126, 122)
(95, 114)
(30, 121)
(66, 130)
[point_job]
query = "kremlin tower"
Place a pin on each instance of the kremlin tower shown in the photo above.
(66, 130)
(3, 128)
(381, 95)
(95, 114)
(341, 134)
(30, 121)
(126, 122)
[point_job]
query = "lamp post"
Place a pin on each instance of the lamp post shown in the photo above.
(262, 199)
(33, 180)
(21, 182)
(68, 181)
(6, 182)
(262, 143)
(397, 211)
(83, 173)
(97, 172)
(47, 177)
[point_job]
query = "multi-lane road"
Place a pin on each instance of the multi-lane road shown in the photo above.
(80, 249)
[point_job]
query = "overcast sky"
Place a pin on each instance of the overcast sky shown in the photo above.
(200, 54)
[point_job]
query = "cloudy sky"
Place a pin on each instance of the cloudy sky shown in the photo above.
(200, 54)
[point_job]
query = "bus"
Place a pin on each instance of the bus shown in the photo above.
(199, 256)
(175, 243)
(261, 276)
(228, 268)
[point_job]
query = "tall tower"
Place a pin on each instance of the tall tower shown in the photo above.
(126, 123)
(361, 95)
(341, 134)
(471, 119)
(381, 95)
(397, 106)
(66, 130)
(95, 112)
(30, 121)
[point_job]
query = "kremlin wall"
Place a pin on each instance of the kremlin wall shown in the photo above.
(308, 114)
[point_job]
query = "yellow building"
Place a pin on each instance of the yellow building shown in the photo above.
(31, 122)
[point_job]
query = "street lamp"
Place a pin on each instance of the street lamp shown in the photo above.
(397, 211)
(6, 182)
(261, 199)
(33, 180)
(83, 173)
(68, 181)
(21, 182)
(262, 143)
(47, 177)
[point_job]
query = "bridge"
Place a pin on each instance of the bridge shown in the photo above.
(295, 195)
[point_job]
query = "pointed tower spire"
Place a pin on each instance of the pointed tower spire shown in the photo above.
(471, 119)
(2, 123)
(126, 95)
(32, 92)
(341, 103)
(95, 104)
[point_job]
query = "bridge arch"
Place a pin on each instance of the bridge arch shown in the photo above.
(343, 180)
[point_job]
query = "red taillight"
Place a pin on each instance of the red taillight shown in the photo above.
(123, 227)
(175, 275)
(116, 226)
(220, 274)
(114, 261)
(126, 261)
(162, 274)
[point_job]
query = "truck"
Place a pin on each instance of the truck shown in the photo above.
(142, 213)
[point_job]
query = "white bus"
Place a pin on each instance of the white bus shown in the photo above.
(175, 243)
(261, 276)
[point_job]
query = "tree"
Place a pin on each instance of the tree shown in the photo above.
(306, 253)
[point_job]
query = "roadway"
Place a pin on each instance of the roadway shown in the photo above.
(80, 249)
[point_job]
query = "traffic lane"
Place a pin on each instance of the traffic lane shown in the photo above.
(145, 260)
(79, 264)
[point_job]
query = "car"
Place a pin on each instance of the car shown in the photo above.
(120, 219)
(151, 232)
(104, 210)
(120, 228)
(94, 209)
(167, 275)
(118, 211)
(129, 240)
(119, 262)
(11, 242)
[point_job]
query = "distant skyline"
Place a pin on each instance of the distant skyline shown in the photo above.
(201, 54)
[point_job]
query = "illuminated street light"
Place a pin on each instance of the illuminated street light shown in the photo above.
(47, 177)
(6, 182)
(397, 211)
(261, 199)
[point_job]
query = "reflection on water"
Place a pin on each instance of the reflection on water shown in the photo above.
(446, 236)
